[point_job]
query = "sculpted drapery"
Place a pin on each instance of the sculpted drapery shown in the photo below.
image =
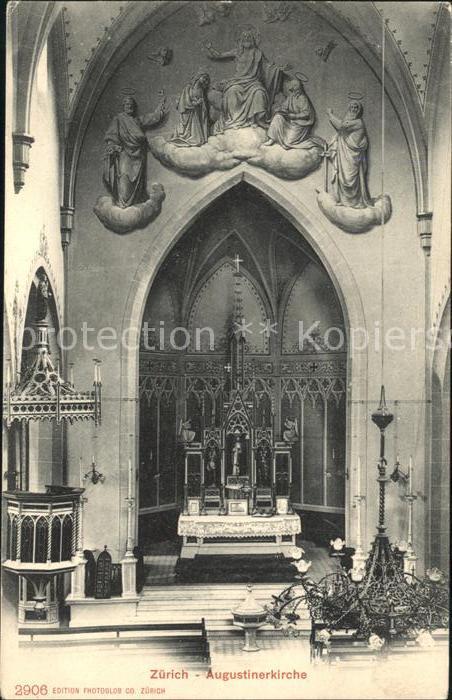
(248, 96)
(193, 127)
(292, 124)
(348, 151)
(126, 154)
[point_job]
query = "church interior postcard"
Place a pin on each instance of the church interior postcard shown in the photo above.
(226, 349)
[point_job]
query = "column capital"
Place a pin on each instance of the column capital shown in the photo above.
(424, 229)
(66, 224)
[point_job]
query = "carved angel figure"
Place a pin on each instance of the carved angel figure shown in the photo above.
(291, 432)
(186, 434)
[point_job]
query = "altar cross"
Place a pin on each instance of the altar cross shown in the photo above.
(228, 367)
(237, 261)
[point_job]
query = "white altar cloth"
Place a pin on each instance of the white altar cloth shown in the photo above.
(195, 529)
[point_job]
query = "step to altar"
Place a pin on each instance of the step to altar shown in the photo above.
(214, 603)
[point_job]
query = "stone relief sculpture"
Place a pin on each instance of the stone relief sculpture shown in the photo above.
(207, 11)
(324, 52)
(230, 122)
(126, 153)
(249, 95)
(129, 205)
(349, 204)
(193, 107)
(276, 12)
(293, 120)
(163, 56)
(348, 151)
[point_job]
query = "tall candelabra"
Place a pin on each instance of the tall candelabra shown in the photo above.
(380, 601)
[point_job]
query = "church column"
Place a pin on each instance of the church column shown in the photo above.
(424, 226)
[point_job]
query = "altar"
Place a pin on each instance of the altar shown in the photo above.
(240, 534)
(238, 475)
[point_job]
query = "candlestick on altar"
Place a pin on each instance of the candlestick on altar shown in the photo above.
(71, 374)
(410, 558)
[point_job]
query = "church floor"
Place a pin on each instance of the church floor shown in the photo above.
(160, 563)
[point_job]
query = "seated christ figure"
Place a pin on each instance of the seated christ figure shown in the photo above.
(248, 96)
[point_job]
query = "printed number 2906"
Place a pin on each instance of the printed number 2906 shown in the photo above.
(24, 689)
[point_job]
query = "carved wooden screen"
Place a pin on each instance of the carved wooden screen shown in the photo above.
(158, 444)
(310, 391)
(317, 401)
(282, 284)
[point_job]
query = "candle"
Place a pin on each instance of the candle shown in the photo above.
(334, 454)
(397, 459)
(71, 374)
(81, 472)
(98, 374)
(8, 372)
(410, 475)
(130, 479)
(358, 481)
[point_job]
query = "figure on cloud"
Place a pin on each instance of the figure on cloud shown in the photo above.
(193, 108)
(349, 204)
(248, 96)
(129, 205)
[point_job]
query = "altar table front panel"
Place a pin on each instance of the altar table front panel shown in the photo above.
(240, 534)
